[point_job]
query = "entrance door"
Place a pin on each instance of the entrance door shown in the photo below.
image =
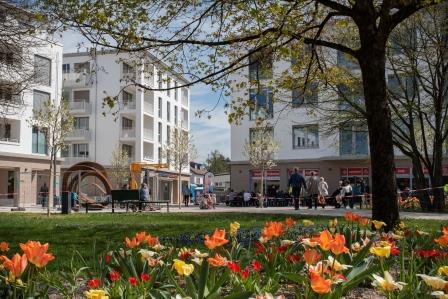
(165, 190)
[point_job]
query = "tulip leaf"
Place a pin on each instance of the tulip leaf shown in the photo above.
(191, 288)
(241, 295)
(203, 279)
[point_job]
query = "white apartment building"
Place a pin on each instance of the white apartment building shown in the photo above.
(24, 159)
(337, 156)
(143, 120)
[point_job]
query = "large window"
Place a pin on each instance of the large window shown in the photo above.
(83, 68)
(127, 123)
(176, 115)
(401, 85)
(168, 134)
(310, 96)
(260, 66)
(168, 111)
(263, 103)
(305, 136)
(81, 96)
(80, 150)
(160, 107)
(127, 97)
(66, 68)
(42, 70)
(260, 132)
(39, 141)
(81, 123)
(353, 141)
(160, 132)
(39, 98)
(5, 131)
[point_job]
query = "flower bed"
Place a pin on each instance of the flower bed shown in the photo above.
(281, 259)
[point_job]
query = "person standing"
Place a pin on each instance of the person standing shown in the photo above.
(313, 190)
(186, 194)
(323, 192)
(346, 194)
(44, 194)
(296, 182)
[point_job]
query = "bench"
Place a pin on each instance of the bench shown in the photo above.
(128, 197)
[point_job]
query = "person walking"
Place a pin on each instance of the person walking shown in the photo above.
(44, 194)
(313, 190)
(186, 194)
(296, 182)
(323, 192)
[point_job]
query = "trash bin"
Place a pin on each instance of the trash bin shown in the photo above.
(66, 203)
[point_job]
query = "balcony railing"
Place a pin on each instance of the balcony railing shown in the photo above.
(128, 133)
(9, 139)
(80, 133)
(81, 106)
(148, 134)
(128, 105)
(77, 80)
(148, 157)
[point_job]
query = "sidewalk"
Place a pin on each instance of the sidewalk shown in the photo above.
(328, 211)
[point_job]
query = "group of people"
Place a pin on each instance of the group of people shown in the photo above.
(315, 187)
(207, 201)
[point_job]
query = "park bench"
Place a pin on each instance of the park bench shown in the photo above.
(132, 197)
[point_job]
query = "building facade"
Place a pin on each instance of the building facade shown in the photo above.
(304, 144)
(140, 122)
(29, 76)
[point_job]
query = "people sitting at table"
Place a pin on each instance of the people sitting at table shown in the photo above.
(246, 197)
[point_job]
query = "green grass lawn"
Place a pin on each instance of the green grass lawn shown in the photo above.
(67, 233)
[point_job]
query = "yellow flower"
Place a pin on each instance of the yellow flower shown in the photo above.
(381, 251)
(307, 222)
(335, 265)
(443, 270)
(434, 282)
(439, 295)
(378, 224)
(387, 282)
(234, 227)
(401, 225)
(96, 294)
(183, 268)
(333, 223)
(421, 233)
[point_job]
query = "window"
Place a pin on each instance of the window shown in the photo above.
(176, 91)
(401, 85)
(81, 123)
(127, 69)
(309, 97)
(160, 132)
(80, 150)
(83, 68)
(349, 96)
(159, 154)
(39, 140)
(347, 61)
(66, 68)
(260, 66)
(168, 134)
(168, 85)
(126, 123)
(159, 79)
(81, 96)
(128, 149)
(65, 152)
(353, 141)
(176, 115)
(263, 104)
(305, 136)
(168, 111)
(39, 98)
(127, 97)
(42, 70)
(160, 107)
(260, 132)
(5, 131)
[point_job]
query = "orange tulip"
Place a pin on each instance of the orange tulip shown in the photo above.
(37, 253)
(216, 240)
(337, 246)
(272, 229)
(363, 221)
(132, 243)
(442, 240)
(152, 241)
(311, 256)
(325, 238)
(319, 284)
(445, 230)
(351, 217)
(217, 261)
(290, 222)
(4, 246)
(16, 265)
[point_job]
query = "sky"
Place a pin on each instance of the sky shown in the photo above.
(208, 134)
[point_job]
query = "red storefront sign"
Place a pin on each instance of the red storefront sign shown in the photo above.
(444, 170)
(304, 172)
(355, 171)
(402, 170)
(272, 174)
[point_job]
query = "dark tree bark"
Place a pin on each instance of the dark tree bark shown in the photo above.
(420, 183)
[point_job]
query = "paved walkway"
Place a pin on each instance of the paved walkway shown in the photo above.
(328, 211)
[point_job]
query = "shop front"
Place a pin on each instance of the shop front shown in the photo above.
(359, 178)
(272, 181)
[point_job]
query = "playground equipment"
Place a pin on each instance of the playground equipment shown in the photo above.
(136, 169)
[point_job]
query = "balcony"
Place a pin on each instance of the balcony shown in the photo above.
(128, 105)
(82, 106)
(9, 140)
(77, 80)
(127, 133)
(148, 107)
(148, 151)
(10, 131)
(79, 134)
(148, 134)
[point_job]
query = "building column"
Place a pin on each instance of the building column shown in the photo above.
(24, 187)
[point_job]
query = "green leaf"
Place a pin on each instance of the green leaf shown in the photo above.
(241, 295)
(203, 279)
(191, 288)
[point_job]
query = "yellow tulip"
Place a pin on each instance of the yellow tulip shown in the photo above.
(378, 224)
(443, 270)
(96, 294)
(234, 226)
(381, 251)
(183, 268)
(307, 222)
(387, 282)
(439, 295)
(333, 223)
(434, 282)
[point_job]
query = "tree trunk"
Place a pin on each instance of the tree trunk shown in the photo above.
(262, 188)
(179, 189)
(437, 177)
(372, 61)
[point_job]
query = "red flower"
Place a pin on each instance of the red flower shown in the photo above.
(145, 276)
(294, 258)
(269, 256)
(256, 265)
(234, 267)
(282, 249)
(259, 248)
(114, 276)
(94, 283)
(428, 253)
(133, 281)
(245, 273)
(395, 251)
(107, 259)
